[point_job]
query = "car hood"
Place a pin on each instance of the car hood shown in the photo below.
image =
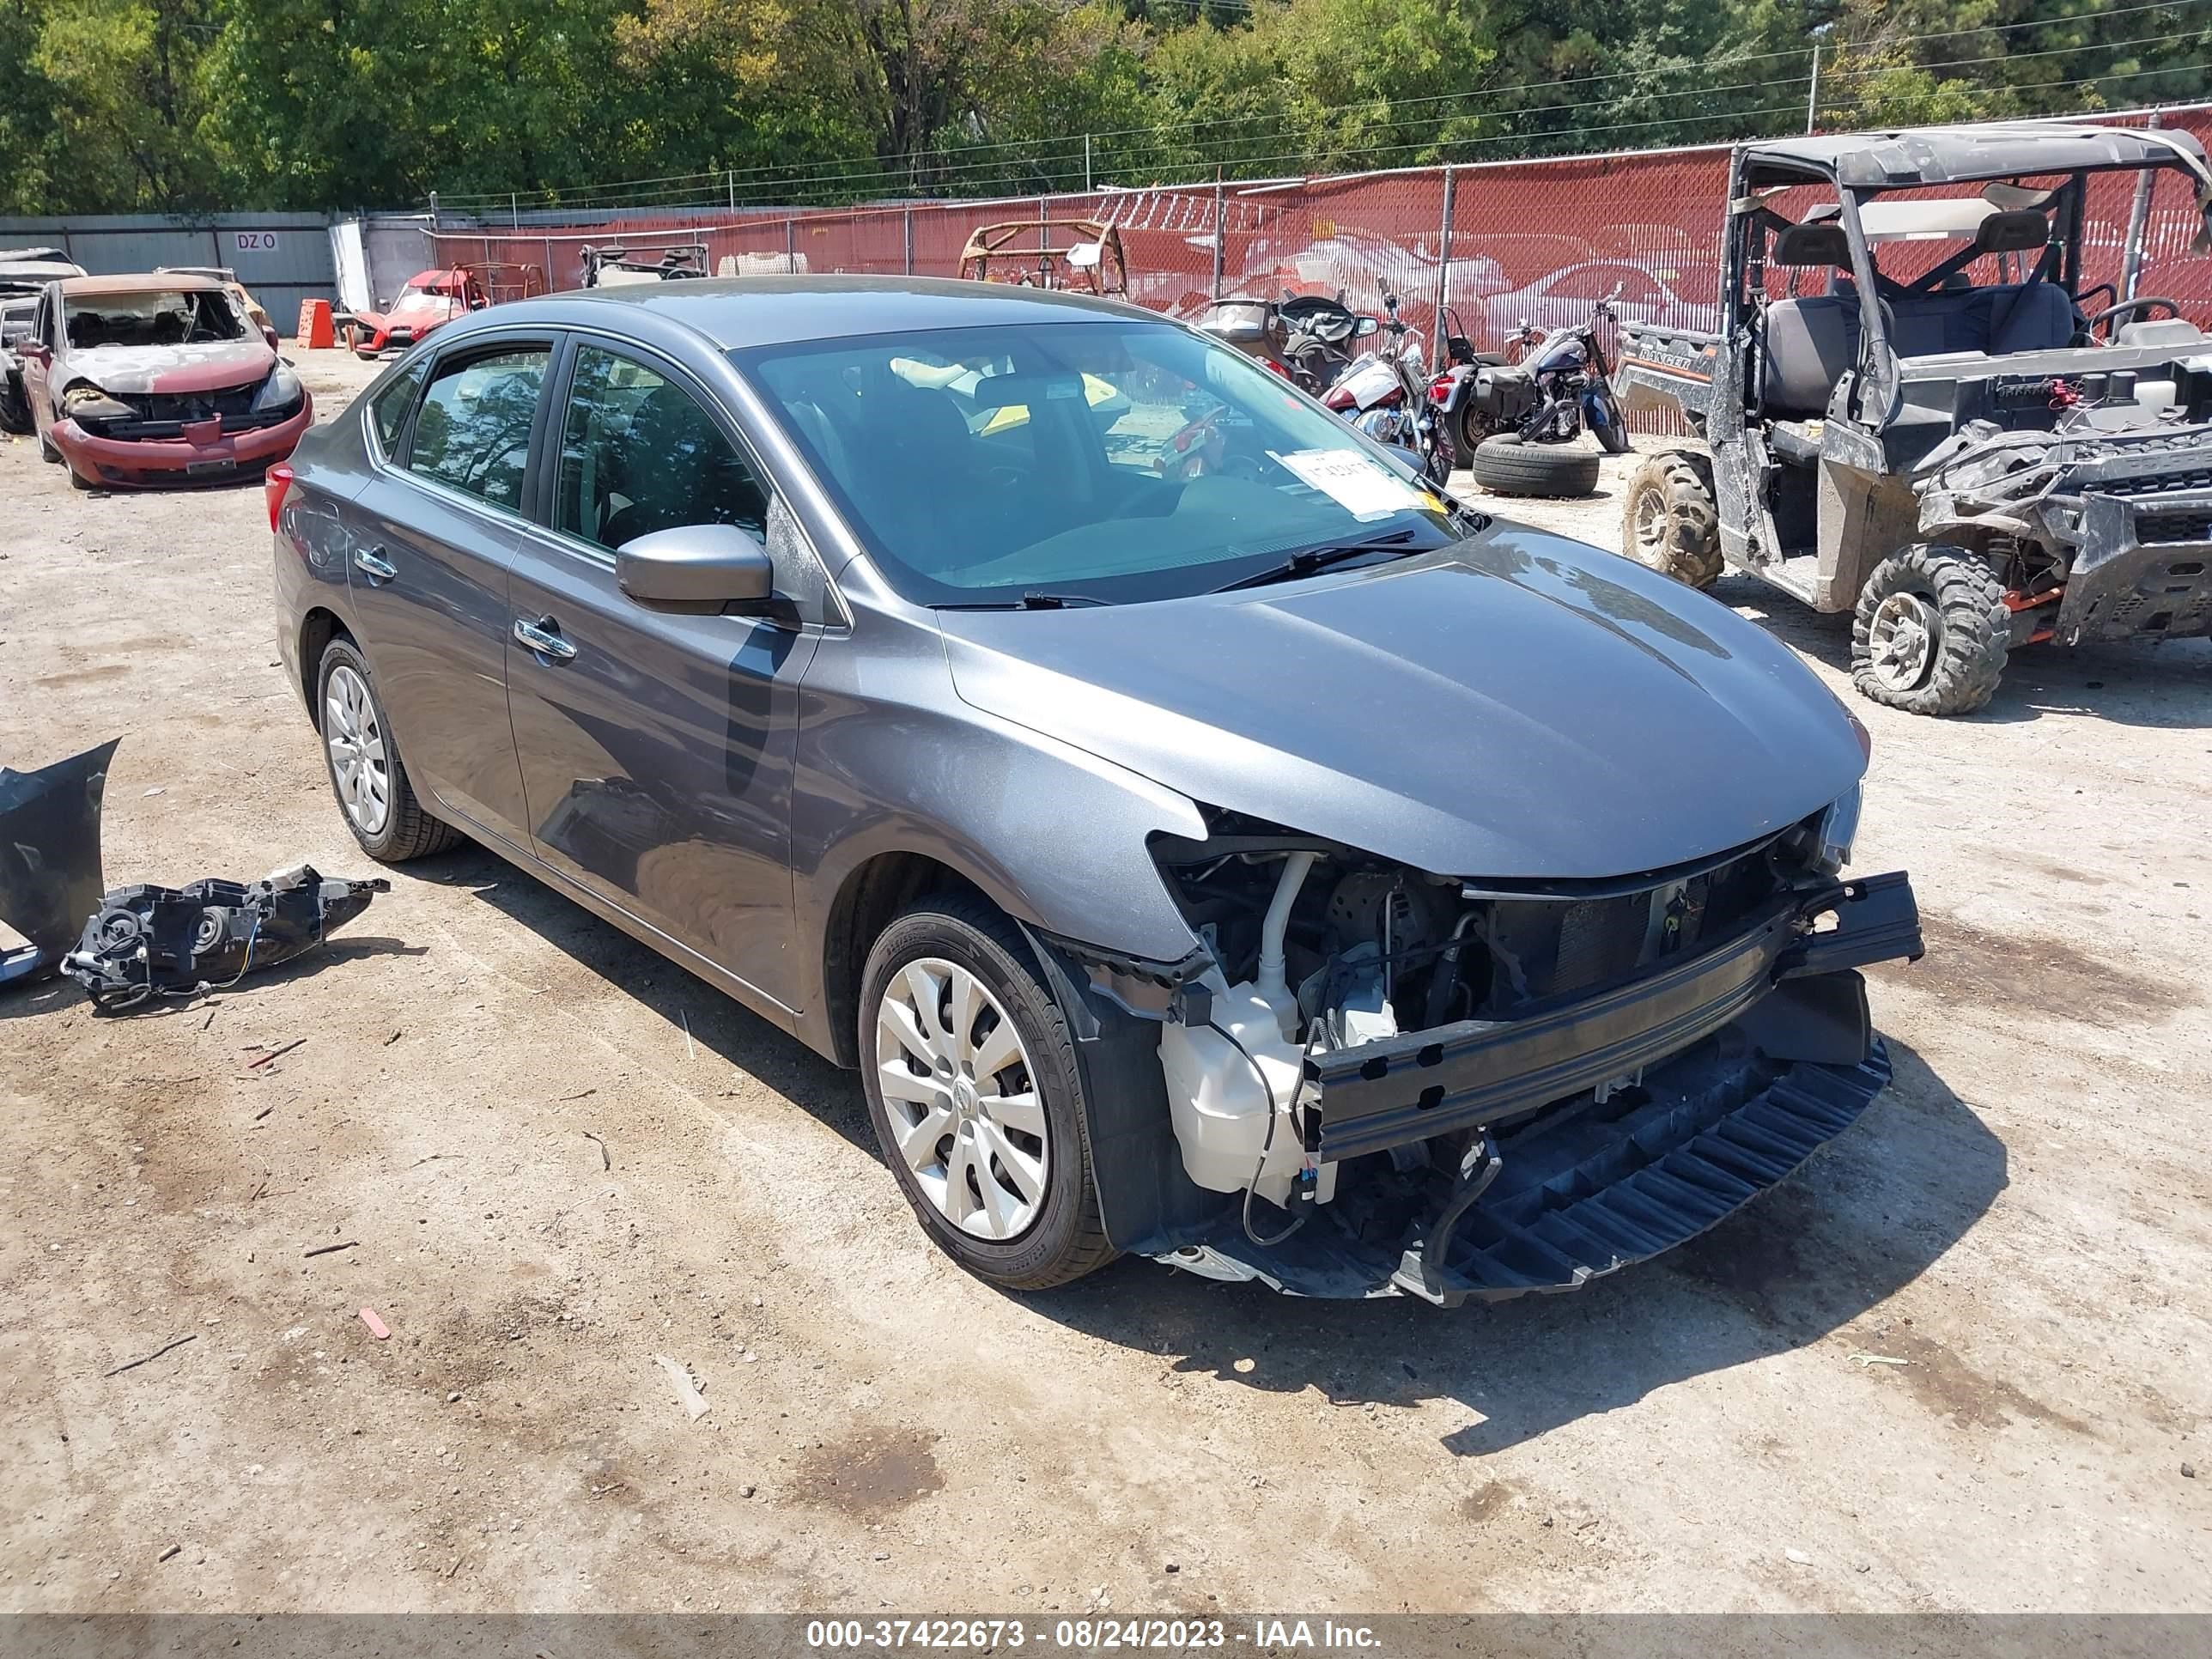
(1518, 706)
(210, 366)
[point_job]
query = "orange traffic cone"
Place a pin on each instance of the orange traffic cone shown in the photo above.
(315, 332)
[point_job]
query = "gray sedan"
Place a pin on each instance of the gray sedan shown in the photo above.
(1206, 841)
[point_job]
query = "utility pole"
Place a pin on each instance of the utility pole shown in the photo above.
(733, 194)
(1821, 32)
(1086, 164)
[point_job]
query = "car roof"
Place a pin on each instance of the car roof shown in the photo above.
(2002, 149)
(145, 282)
(737, 312)
(40, 270)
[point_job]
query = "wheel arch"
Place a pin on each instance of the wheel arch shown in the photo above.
(872, 893)
(318, 628)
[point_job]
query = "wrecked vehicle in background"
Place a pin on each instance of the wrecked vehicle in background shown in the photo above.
(1272, 867)
(643, 262)
(255, 313)
(2000, 452)
(432, 299)
(24, 274)
(154, 379)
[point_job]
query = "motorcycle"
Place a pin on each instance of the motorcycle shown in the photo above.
(1556, 385)
(1381, 393)
(1305, 339)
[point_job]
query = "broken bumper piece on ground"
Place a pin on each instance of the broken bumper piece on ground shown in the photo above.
(50, 877)
(1745, 1060)
(144, 942)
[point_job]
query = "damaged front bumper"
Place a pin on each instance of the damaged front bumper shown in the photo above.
(2143, 570)
(203, 452)
(1600, 1130)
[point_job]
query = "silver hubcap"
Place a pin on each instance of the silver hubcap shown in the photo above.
(358, 759)
(962, 1099)
(1902, 643)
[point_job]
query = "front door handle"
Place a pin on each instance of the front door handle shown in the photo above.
(371, 563)
(543, 637)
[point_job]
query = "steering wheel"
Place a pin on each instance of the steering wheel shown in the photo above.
(2141, 303)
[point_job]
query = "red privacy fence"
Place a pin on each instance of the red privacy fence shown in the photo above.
(1494, 241)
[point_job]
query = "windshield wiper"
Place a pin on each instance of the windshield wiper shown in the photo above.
(1308, 560)
(1028, 602)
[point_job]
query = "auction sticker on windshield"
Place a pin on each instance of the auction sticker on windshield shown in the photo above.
(1362, 487)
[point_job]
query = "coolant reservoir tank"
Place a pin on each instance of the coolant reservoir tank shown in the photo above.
(1220, 1108)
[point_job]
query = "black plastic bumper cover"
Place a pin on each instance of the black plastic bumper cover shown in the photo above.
(1486, 1073)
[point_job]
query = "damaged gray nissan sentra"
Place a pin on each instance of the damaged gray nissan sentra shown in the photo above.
(1207, 842)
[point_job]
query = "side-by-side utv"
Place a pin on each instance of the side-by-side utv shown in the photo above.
(1989, 455)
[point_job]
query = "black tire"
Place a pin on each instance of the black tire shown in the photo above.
(1436, 465)
(1066, 1238)
(1613, 436)
(1506, 467)
(78, 481)
(48, 450)
(407, 831)
(1669, 522)
(1469, 430)
(14, 405)
(1957, 607)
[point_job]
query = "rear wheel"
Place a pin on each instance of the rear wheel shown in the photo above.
(48, 449)
(14, 405)
(1468, 431)
(1506, 467)
(363, 762)
(972, 1082)
(1931, 633)
(1669, 523)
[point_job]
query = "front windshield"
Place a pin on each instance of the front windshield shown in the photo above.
(1095, 459)
(184, 317)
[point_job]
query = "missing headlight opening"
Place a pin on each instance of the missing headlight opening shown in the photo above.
(1368, 1046)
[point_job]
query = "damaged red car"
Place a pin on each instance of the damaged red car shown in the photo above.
(156, 380)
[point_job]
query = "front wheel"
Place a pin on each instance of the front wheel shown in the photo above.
(1931, 633)
(972, 1082)
(1609, 428)
(14, 405)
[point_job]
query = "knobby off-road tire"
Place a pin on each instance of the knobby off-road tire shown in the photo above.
(1669, 522)
(1506, 467)
(955, 1101)
(348, 712)
(1931, 632)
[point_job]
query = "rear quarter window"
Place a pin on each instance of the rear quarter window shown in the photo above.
(389, 410)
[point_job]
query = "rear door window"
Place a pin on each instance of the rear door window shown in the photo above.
(472, 433)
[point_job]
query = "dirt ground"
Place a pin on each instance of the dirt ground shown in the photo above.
(1959, 1363)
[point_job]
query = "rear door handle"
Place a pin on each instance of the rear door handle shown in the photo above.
(543, 637)
(371, 563)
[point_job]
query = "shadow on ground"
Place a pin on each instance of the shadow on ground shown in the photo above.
(713, 1021)
(1865, 1217)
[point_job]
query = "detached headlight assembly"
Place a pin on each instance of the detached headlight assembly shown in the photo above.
(88, 405)
(279, 392)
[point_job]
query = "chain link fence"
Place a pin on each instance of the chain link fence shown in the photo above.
(1489, 244)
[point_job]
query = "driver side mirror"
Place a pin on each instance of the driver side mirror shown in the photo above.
(1365, 327)
(696, 569)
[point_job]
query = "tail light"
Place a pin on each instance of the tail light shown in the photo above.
(274, 482)
(1440, 389)
(1276, 367)
(1339, 397)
